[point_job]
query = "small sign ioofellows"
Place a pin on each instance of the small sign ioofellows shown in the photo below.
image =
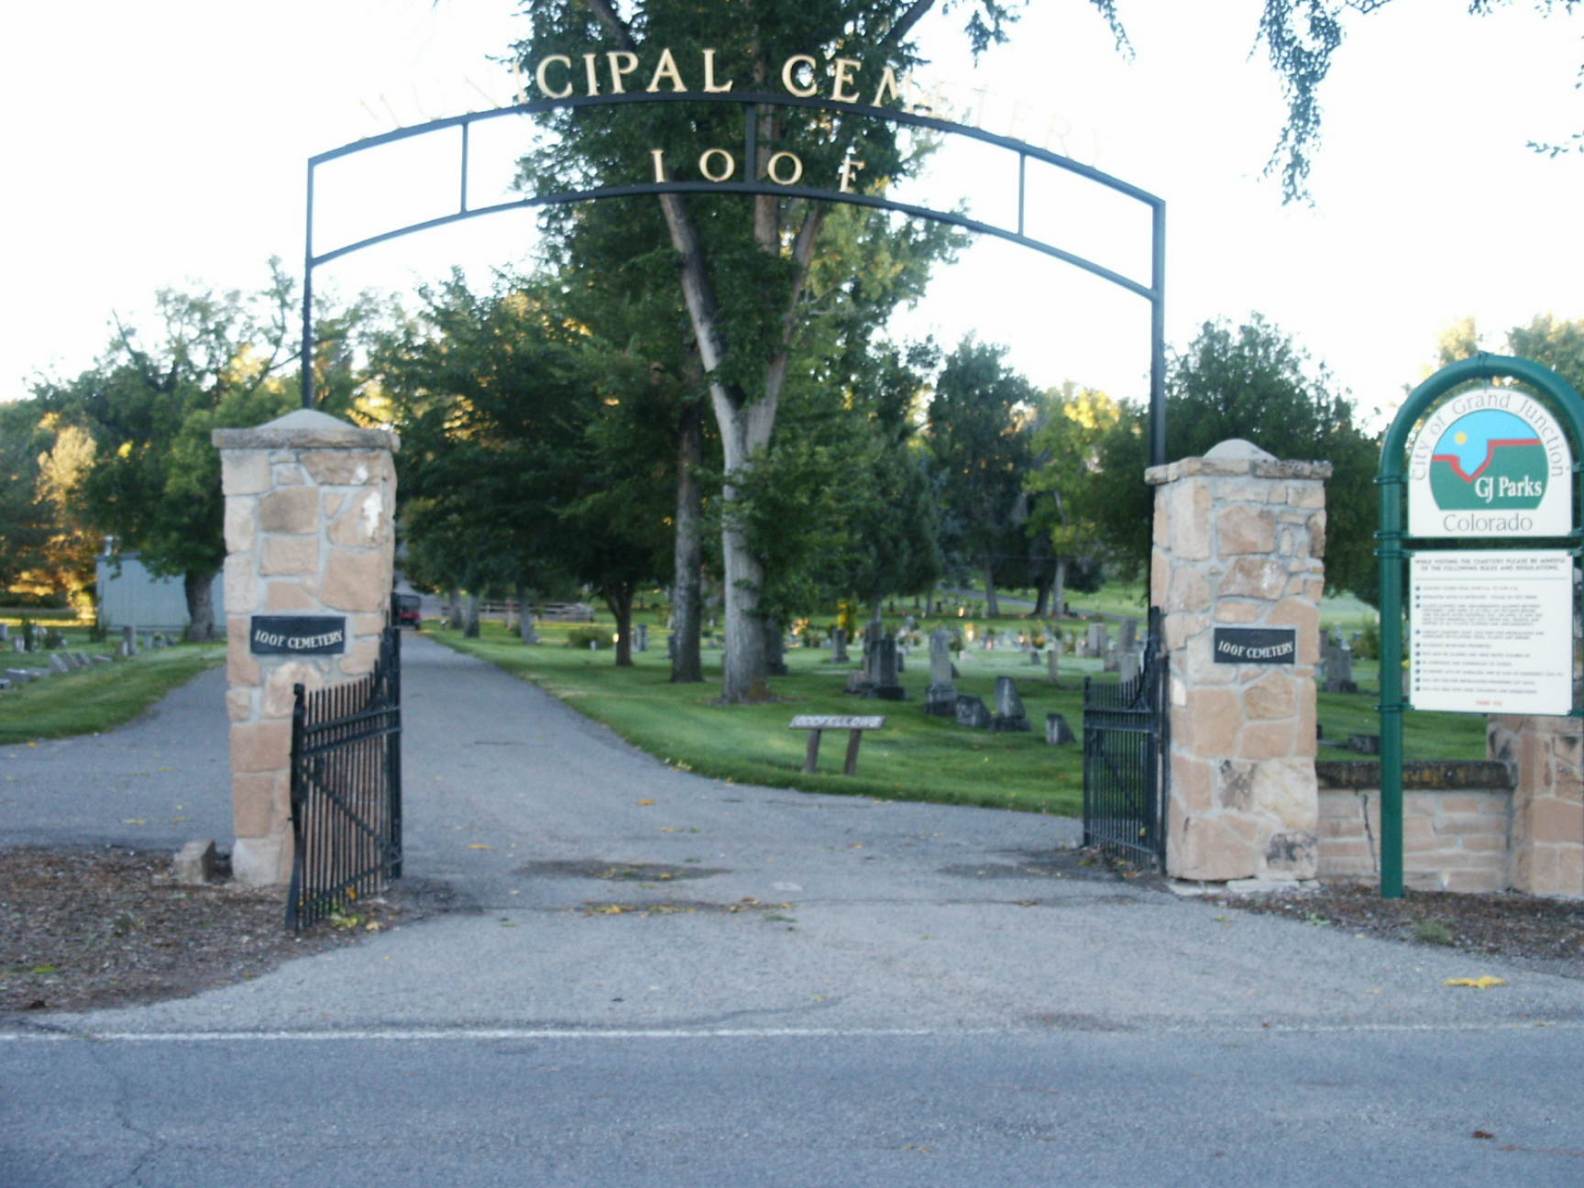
(297, 635)
(1256, 645)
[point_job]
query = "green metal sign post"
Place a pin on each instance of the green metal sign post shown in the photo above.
(1486, 480)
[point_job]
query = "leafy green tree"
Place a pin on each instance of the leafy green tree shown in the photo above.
(979, 422)
(150, 404)
(1072, 423)
(743, 265)
(26, 518)
(1251, 382)
(482, 389)
(1556, 343)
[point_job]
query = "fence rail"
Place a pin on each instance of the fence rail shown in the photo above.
(346, 805)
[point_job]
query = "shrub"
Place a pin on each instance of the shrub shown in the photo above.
(1367, 646)
(583, 637)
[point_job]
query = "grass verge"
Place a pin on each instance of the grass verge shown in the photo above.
(95, 699)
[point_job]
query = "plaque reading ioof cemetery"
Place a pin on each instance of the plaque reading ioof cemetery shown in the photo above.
(1492, 462)
(1255, 645)
(297, 635)
(1492, 631)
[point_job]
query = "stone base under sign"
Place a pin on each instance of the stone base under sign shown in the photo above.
(308, 521)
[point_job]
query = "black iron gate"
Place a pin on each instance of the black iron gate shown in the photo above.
(346, 789)
(1125, 727)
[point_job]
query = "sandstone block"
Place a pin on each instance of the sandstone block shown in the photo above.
(1554, 820)
(278, 681)
(1234, 611)
(1209, 723)
(244, 472)
(290, 510)
(241, 583)
(1274, 696)
(261, 861)
(363, 522)
(1253, 577)
(285, 595)
(356, 581)
(347, 468)
(1267, 740)
(240, 533)
(288, 474)
(1306, 494)
(289, 555)
(256, 800)
(239, 703)
(241, 666)
(1292, 854)
(260, 746)
(194, 864)
(1241, 529)
(1193, 784)
(1188, 520)
(1217, 848)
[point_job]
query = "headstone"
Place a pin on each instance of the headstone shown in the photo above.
(22, 676)
(4, 683)
(128, 641)
(1339, 666)
(886, 684)
(1095, 641)
(5, 633)
(1033, 656)
(857, 682)
(100, 658)
(671, 647)
(1128, 664)
(126, 649)
(19, 644)
(58, 662)
(1129, 635)
(839, 647)
(941, 699)
(1112, 661)
(1009, 712)
(1053, 664)
(972, 711)
(80, 660)
(1057, 732)
(642, 640)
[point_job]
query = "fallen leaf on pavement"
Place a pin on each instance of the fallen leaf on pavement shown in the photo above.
(1483, 982)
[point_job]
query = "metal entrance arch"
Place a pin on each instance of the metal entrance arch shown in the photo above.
(1154, 291)
(1125, 779)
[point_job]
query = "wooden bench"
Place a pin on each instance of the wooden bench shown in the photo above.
(819, 723)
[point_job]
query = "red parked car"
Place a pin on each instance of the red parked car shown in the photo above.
(406, 606)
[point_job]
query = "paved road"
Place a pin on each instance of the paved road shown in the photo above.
(796, 989)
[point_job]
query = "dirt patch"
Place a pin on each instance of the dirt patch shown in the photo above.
(677, 907)
(617, 872)
(92, 928)
(1546, 932)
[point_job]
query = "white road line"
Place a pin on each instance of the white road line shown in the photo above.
(488, 1034)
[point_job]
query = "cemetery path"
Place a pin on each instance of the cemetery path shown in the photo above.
(591, 887)
(154, 783)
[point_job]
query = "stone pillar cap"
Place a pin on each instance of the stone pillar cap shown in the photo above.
(303, 429)
(1236, 448)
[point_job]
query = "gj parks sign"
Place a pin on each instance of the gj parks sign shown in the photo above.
(1494, 462)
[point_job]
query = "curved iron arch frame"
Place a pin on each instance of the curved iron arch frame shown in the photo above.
(1154, 292)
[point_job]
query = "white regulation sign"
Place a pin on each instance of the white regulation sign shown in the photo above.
(1491, 632)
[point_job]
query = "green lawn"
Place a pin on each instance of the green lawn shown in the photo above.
(915, 757)
(91, 700)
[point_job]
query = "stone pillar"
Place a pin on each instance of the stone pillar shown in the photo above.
(1547, 846)
(309, 507)
(1239, 539)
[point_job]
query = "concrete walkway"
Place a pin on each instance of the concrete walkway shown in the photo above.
(772, 910)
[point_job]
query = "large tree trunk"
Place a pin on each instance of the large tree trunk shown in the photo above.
(454, 618)
(620, 599)
(470, 625)
(992, 607)
(525, 619)
(1059, 589)
(1042, 590)
(687, 609)
(198, 585)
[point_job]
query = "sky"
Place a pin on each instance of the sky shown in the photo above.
(164, 144)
